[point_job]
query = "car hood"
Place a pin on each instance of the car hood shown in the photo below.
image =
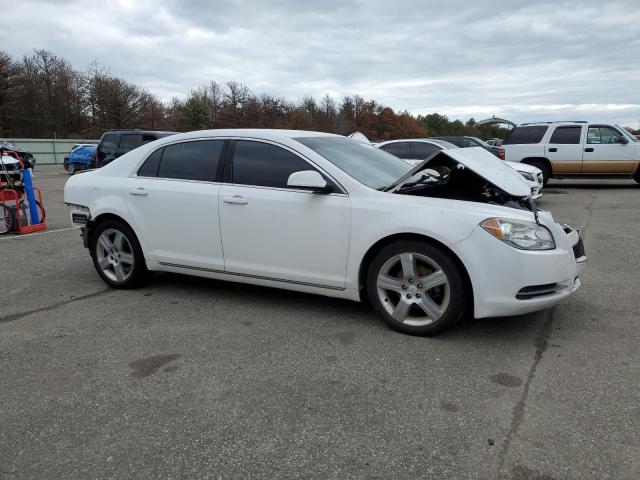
(482, 163)
(524, 167)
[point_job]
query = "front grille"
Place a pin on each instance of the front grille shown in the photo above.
(532, 291)
(578, 249)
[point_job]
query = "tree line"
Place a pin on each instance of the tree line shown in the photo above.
(43, 96)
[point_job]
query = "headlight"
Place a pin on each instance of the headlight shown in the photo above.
(527, 175)
(520, 234)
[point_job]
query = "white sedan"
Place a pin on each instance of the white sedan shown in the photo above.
(324, 214)
(415, 150)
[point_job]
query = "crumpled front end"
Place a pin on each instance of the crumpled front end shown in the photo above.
(510, 281)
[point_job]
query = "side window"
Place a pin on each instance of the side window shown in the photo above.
(566, 135)
(605, 135)
(469, 142)
(150, 166)
(526, 135)
(422, 150)
(196, 160)
(399, 149)
(108, 143)
(265, 165)
(130, 141)
(148, 138)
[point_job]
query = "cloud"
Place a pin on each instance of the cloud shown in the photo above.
(520, 59)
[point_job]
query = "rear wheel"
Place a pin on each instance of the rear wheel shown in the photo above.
(416, 288)
(6, 219)
(117, 255)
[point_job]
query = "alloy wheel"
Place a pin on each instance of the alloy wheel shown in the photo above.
(114, 254)
(413, 289)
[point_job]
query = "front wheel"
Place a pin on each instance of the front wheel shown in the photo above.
(71, 169)
(416, 288)
(117, 255)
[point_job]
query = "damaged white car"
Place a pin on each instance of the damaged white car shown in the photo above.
(324, 214)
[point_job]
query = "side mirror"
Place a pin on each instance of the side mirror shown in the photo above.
(620, 140)
(308, 180)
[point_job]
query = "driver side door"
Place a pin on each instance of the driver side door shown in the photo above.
(272, 231)
(607, 152)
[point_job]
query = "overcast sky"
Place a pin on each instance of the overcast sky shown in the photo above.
(522, 60)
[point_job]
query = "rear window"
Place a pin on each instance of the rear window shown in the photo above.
(196, 160)
(399, 149)
(422, 150)
(108, 143)
(130, 141)
(522, 135)
(566, 135)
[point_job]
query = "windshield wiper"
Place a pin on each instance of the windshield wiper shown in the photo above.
(435, 180)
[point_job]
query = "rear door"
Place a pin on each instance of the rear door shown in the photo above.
(173, 201)
(607, 151)
(564, 149)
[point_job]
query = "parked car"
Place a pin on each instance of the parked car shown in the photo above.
(117, 142)
(324, 214)
(9, 168)
(73, 147)
(28, 160)
(575, 149)
(415, 151)
(469, 142)
(82, 157)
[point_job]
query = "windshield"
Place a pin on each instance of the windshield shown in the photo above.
(480, 142)
(628, 133)
(367, 164)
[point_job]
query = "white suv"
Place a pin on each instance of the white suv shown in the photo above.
(575, 149)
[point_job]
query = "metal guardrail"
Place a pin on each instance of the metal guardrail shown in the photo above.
(47, 150)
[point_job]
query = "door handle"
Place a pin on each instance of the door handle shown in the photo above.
(139, 191)
(237, 199)
(588, 149)
(553, 149)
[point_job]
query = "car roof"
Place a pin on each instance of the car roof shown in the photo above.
(274, 134)
(422, 140)
(559, 122)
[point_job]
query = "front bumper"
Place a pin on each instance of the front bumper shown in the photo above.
(507, 281)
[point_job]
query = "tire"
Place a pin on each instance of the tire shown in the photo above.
(546, 171)
(7, 220)
(406, 304)
(117, 256)
(71, 169)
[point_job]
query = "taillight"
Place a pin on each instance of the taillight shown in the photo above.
(501, 154)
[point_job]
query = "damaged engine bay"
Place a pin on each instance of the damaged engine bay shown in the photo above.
(443, 177)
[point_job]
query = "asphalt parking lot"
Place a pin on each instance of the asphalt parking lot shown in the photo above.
(193, 378)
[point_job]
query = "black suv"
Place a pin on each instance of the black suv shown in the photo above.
(466, 142)
(120, 141)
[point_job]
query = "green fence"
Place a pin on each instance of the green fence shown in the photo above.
(47, 150)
